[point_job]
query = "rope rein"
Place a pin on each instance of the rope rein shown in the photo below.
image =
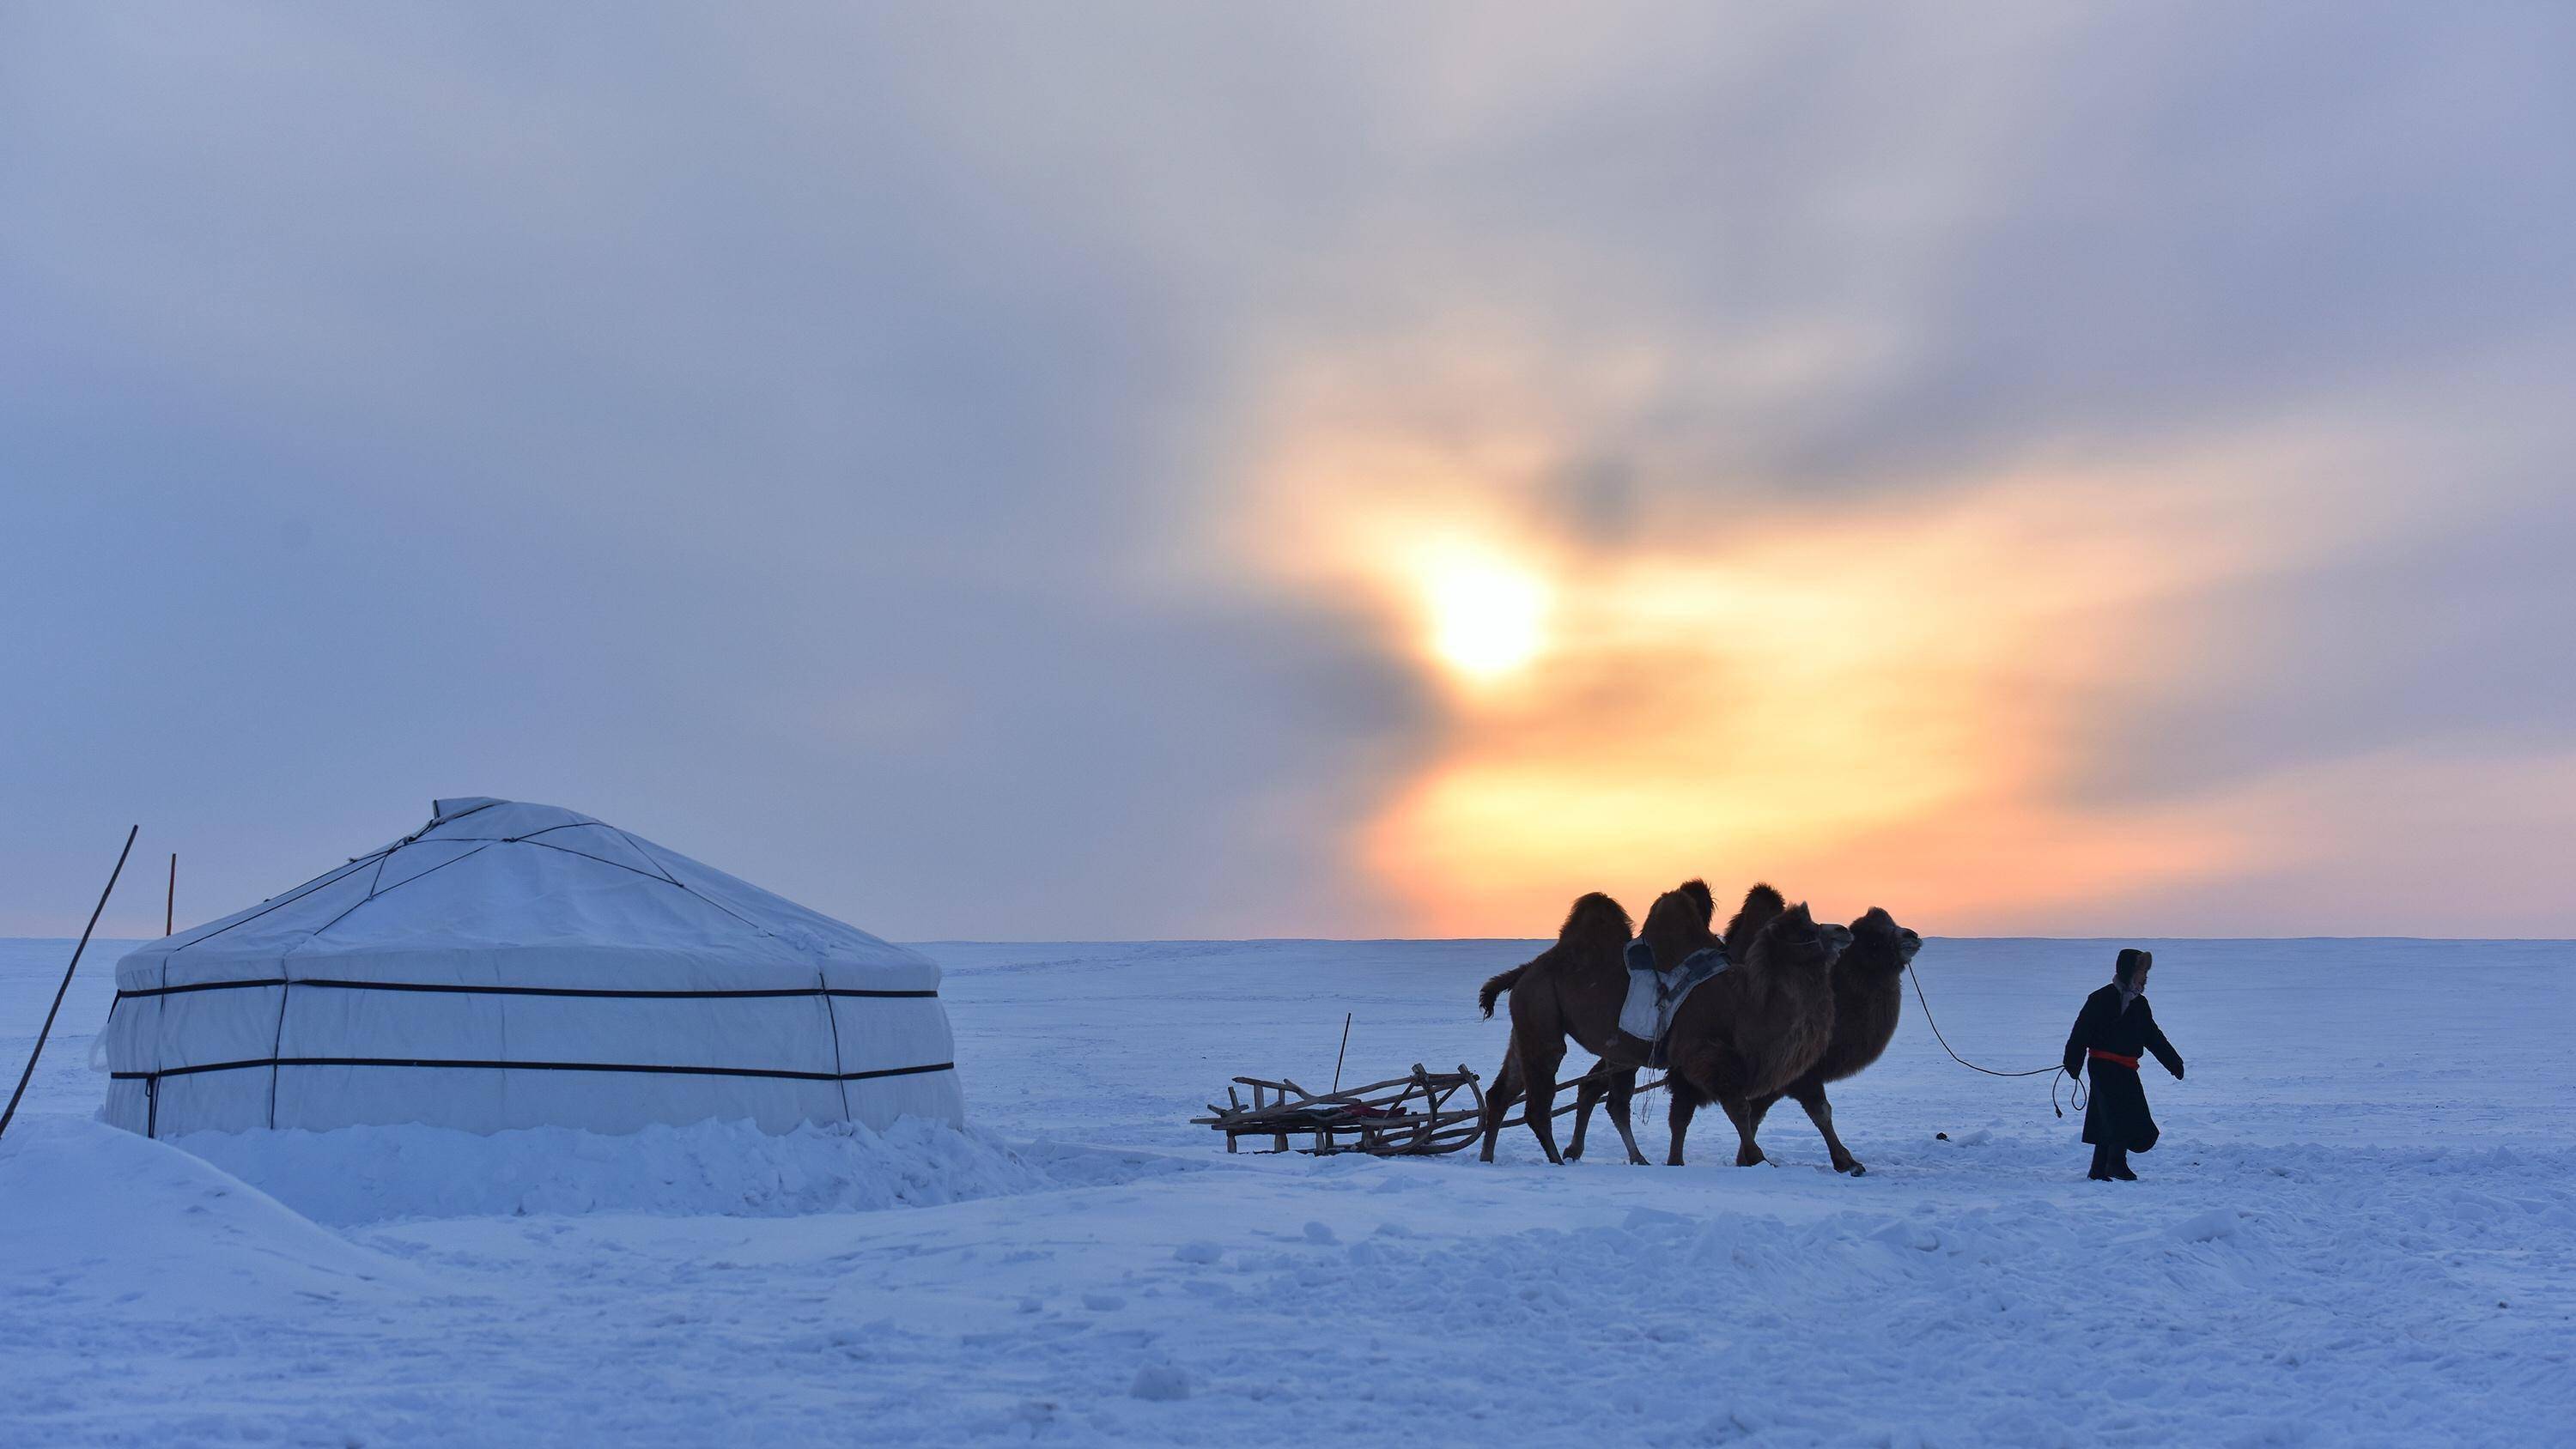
(1925, 1002)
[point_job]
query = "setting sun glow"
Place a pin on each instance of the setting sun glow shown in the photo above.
(1880, 703)
(1487, 617)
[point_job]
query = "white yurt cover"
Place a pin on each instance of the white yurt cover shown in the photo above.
(515, 965)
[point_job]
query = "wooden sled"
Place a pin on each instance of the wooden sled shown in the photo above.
(1402, 1117)
(1415, 1116)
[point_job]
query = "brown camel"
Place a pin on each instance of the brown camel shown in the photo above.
(1758, 1027)
(1760, 904)
(1868, 997)
(1573, 989)
(1619, 1086)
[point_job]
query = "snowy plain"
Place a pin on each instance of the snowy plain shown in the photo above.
(2360, 1229)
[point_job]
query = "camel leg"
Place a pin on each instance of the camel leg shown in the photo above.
(1586, 1097)
(1757, 1109)
(1498, 1102)
(1685, 1103)
(1623, 1090)
(1747, 1152)
(1538, 1072)
(1821, 1112)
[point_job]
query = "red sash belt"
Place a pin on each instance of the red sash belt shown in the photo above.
(2100, 1055)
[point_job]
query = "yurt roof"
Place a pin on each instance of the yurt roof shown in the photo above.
(503, 890)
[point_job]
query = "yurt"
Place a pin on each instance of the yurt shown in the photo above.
(514, 965)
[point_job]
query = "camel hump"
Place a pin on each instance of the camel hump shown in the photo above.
(1675, 928)
(1762, 905)
(1675, 910)
(1595, 918)
(1697, 889)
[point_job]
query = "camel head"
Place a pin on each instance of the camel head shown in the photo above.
(1878, 943)
(1793, 941)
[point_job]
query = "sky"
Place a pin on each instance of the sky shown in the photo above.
(1131, 471)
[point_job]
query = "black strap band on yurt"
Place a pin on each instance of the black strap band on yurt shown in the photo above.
(614, 993)
(670, 1070)
(276, 1060)
(152, 1080)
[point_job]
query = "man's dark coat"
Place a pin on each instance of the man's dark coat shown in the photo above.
(2116, 1115)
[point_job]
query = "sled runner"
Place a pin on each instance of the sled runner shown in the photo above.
(1415, 1116)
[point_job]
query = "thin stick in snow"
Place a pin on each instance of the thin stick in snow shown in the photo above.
(48, 1028)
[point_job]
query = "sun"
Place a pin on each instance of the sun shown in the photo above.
(1487, 616)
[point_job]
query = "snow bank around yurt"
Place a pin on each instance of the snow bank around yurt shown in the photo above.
(214, 1216)
(106, 1218)
(361, 1175)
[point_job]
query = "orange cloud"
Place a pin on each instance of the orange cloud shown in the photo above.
(1870, 704)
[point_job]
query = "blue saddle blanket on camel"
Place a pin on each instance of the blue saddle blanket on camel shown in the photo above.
(1654, 996)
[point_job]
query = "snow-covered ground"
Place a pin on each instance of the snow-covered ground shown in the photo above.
(2360, 1229)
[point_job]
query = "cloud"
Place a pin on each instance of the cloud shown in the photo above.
(1884, 702)
(958, 466)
